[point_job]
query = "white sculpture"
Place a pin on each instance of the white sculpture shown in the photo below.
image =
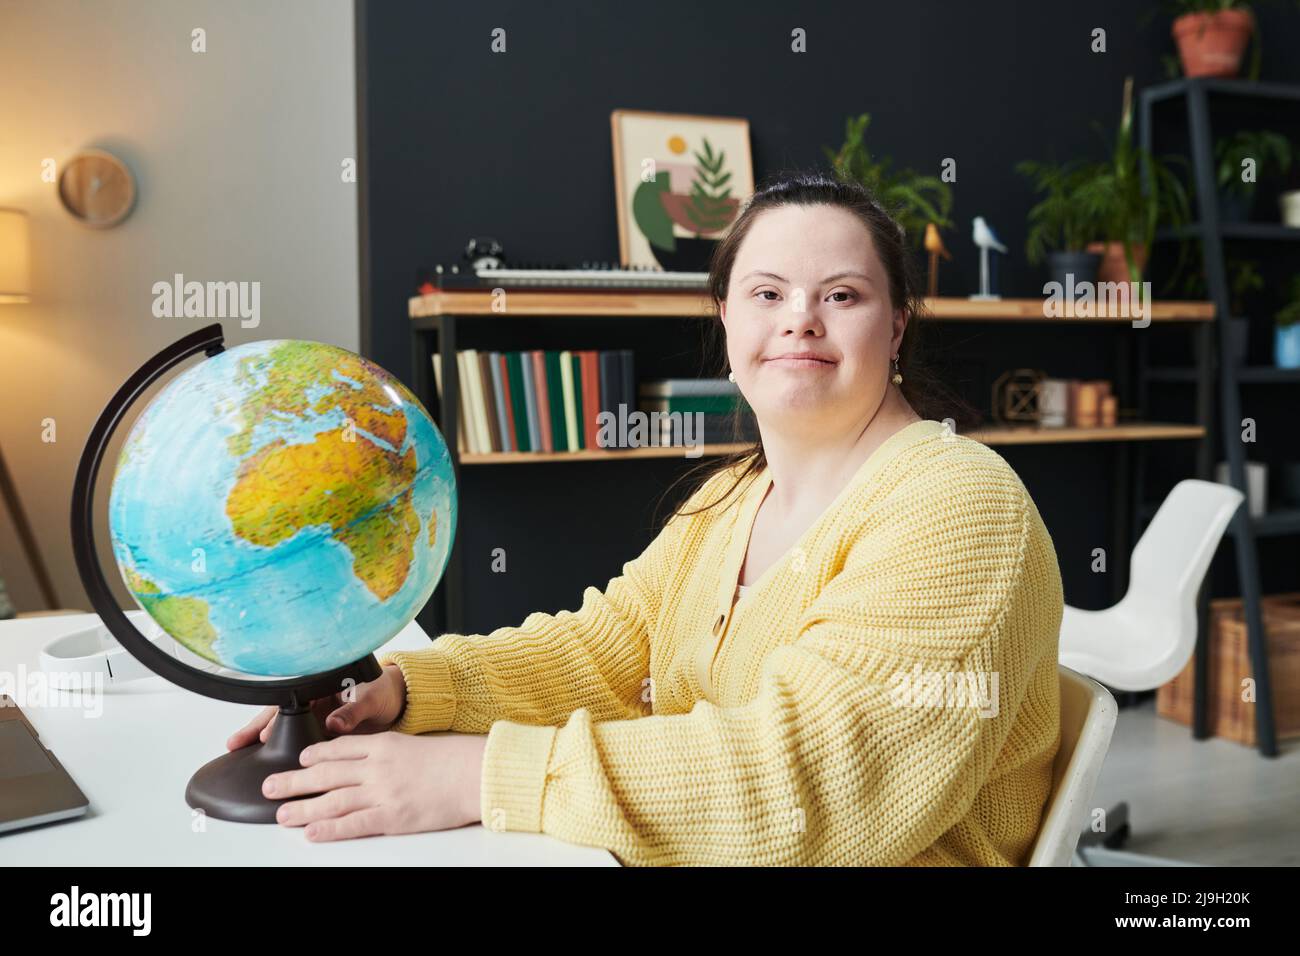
(984, 238)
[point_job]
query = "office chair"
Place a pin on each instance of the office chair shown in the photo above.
(1088, 713)
(1147, 639)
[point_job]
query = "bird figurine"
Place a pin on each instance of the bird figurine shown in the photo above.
(934, 246)
(983, 236)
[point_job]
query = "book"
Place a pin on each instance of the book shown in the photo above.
(543, 399)
(669, 387)
(570, 405)
(709, 404)
(590, 395)
(518, 404)
(610, 391)
(555, 391)
(489, 400)
(499, 402)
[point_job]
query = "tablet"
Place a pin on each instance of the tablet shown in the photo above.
(34, 787)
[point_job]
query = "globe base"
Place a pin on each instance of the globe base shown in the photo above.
(230, 787)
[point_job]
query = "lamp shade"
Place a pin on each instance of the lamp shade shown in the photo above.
(15, 257)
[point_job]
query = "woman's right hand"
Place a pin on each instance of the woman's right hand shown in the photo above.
(374, 706)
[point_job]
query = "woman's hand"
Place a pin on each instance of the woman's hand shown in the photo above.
(382, 783)
(366, 709)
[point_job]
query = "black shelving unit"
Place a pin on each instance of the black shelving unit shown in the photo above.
(1213, 233)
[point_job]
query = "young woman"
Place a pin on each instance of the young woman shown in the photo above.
(841, 650)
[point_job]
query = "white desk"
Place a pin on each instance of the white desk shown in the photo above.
(133, 761)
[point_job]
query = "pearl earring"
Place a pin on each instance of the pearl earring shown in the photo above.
(731, 376)
(898, 376)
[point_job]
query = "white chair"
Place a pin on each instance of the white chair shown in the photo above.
(1147, 639)
(1088, 715)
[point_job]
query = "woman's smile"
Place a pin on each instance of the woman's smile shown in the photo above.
(793, 361)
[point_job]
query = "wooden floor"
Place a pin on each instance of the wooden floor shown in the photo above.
(1211, 801)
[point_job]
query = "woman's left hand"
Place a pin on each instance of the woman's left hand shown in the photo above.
(368, 784)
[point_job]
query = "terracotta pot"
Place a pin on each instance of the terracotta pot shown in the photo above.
(1114, 267)
(1211, 44)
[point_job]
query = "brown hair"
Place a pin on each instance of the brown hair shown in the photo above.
(922, 390)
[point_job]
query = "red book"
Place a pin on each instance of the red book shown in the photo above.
(543, 398)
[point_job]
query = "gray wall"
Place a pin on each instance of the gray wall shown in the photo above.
(237, 154)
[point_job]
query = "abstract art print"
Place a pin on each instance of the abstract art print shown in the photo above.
(680, 181)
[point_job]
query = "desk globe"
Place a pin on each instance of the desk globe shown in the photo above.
(281, 509)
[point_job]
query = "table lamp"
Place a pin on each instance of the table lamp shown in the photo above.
(15, 287)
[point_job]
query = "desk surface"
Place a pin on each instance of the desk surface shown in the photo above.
(134, 759)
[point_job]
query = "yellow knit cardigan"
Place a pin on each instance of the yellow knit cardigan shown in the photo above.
(885, 694)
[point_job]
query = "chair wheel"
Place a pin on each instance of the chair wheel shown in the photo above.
(1117, 839)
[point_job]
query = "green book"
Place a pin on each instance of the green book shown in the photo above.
(555, 396)
(575, 362)
(518, 403)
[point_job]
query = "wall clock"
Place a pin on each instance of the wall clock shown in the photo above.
(97, 188)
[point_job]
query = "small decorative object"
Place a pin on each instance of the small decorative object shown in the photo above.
(1286, 337)
(679, 182)
(1290, 206)
(1109, 411)
(1256, 485)
(1053, 402)
(97, 188)
(1212, 36)
(934, 246)
(1087, 408)
(1016, 397)
(984, 238)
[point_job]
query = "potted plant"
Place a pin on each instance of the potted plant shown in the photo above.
(1212, 35)
(1268, 149)
(1286, 340)
(1131, 208)
(1243, 281)
(913, 198)
(1063, 222)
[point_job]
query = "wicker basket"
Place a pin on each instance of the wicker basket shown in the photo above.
(1229, 716)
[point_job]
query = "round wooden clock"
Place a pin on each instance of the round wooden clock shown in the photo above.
(97, 188)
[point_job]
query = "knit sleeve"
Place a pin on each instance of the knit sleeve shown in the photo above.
(872, 730)
(540, 671)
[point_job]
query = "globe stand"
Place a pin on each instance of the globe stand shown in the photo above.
(229, 787)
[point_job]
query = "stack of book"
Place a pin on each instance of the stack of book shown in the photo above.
(709, 411)
(538, 401)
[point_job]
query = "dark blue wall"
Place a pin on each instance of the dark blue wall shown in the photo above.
(458, 141)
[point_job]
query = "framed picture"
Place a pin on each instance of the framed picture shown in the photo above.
(679, 183)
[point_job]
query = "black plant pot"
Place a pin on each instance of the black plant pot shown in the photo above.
(1082, 266)
(691, 255)
(1236, 206)
(1238, 340)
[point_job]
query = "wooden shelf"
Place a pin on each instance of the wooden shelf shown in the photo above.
(1020, 435)
(1124, 431)
(691, 304)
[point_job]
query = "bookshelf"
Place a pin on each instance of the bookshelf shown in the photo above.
(438, 320)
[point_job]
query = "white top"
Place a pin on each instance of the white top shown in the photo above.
(741, 591)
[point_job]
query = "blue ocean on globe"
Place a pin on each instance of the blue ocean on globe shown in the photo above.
(283, 508)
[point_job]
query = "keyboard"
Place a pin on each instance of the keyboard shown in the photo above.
(597, 278)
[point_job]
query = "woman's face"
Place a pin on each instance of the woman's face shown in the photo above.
(807, 279)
